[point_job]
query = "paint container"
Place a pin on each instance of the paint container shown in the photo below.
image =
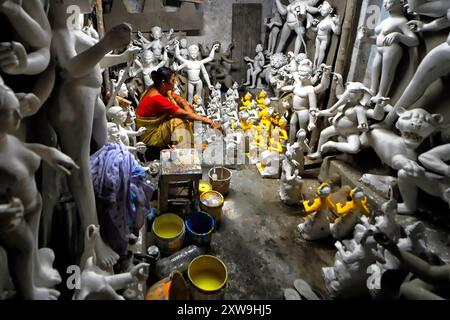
(204, 187)
(199, 229)
(208, 276)
(212, 202)
(220, 179)
(169, 232)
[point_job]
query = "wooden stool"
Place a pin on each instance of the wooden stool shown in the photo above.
(179, 174)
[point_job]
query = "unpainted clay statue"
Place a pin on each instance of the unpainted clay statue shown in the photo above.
(328, 25)
(198, 106)
(430, 282)
(348, 277)
(436, 63)
(390, 36)
(30, 268)
(256, 66)
(274, 75)
(434, 180)
(218, 71)
(118, 116)
(148, 65)
(274, 24)
(305, 97)
(79, 112)
(299, 148)
(156, 45)
(399, 152)
(349, 119)
(194, 67)
(291, 182)
(296, 13)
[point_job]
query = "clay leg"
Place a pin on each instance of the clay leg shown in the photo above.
(273, 39)
(190, 92)
(298, 40)
(325, 135)
(199, 91)
(322, 52)
(255, 78)
(376, 73)
(353, 145)
(434, 66)
(408, 190)
(75, 136)
(285, 33)
(418, 290)
(99, 129)
(293, 128)
(391, 59)
(304, 119)
(19, 245)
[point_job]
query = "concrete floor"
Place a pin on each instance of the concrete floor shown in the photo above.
(259, 242)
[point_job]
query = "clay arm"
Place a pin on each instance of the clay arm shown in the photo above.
(120, 281)
(77, 65)
(205, 75)
(408, 37)
(420, 268)
(281, 8)
(434, 160)
(430, 8)
(132, 133)
(110, 60)
(178, 55)
(163, 61)
(437, 25)
(325, 82)
(53, 157)
(211, 55)
(336, 28)
(332, 111)
(143, 39)
(33, 28)
(180, 67)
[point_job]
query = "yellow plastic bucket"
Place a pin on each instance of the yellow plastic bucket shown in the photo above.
(209, 276)
(212, 202)
(204, 187)
(169, 232)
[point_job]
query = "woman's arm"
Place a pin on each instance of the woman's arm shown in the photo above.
(182, 102)
(183, 114)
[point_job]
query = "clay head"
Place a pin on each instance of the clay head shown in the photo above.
(357, 194)
(193, 51)
(123, 91)
(301, 135)
(10, 115)
(197, 99)
(235, 85)
(141, 147)
(156, 33)
(326, 9)
(113, 132)
(218, 86)
(324, 190)
(355, 92)
(248, 96)
(117, 115)
(262, 95)
(390, 5)
(259, 48)
(147, 57)
(305, 69)
(183, 43)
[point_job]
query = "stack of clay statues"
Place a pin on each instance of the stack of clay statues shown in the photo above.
(54, 115)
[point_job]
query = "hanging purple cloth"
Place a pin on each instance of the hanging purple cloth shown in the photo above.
(114, 183)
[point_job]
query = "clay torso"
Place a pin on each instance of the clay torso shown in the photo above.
(388, 26)
(17, 168)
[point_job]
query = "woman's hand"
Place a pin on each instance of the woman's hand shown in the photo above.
(217, 126)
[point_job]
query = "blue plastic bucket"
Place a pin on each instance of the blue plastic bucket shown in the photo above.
(199, 228)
